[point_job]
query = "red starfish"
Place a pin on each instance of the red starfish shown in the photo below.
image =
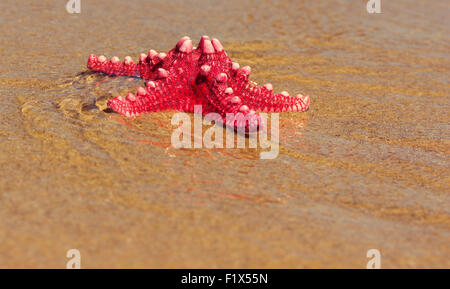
(188, 76)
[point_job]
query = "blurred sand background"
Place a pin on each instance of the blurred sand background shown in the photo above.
(366, 167)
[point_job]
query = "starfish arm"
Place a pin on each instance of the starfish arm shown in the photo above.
(113, 66)
(262, 98)
(235, 83)
(158, 95)
(234, 112)
(212, 84)
(181, 58)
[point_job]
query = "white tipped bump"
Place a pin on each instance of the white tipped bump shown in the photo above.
(204, 70)
(229, 91)
(285, 93)
(128, 60)
(141, 91)
(131, 97)
(162, 55)
(201, 44)
(142, 57)
(120, 98)
(268, 86)
(115, 59)
(243, 108)
(247, 70)
(305, 99)
(235, 66)
(162, 73)
(235, 100)
(102, 58)
(151, 84)
(127, 114)
(181, 41)
(208, 47)
(203, 39)
(217, 45)
(152, 53)
(186, 47)
(222, 77)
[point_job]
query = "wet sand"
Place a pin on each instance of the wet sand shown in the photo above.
(366, 167)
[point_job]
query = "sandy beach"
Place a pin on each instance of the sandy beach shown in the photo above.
(366, 167)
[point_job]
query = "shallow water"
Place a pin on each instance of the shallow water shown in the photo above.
(366, 167)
